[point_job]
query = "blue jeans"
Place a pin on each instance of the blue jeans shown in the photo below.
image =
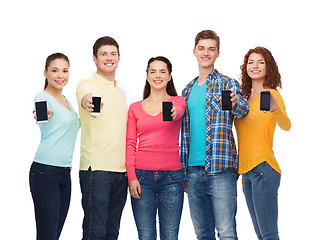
(212, 202)
(50, 188)
(103, 199)
(162, 191)
(261, 186)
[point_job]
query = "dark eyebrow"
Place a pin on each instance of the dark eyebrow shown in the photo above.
(262, 59)
(153, 69)
(107, 52)
(204, 47)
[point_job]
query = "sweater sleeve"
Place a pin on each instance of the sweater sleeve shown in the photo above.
(280, 114)
(131, 144)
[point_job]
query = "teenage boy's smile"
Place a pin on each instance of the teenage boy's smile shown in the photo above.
(206, 58)
(107, 60)
(108, 64)
(206, 52)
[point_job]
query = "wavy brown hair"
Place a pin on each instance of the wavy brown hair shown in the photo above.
(272, 78)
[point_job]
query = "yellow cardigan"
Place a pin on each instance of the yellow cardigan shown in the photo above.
(255, 134)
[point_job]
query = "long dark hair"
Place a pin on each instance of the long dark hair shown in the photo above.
(51, 58)
(170, 88)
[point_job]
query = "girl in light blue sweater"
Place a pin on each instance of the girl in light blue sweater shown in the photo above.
(49, 178)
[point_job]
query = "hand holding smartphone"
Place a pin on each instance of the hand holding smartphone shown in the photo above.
(226, 100)
(167, 110)
(265, 101)
(96, 101)
(41, 111)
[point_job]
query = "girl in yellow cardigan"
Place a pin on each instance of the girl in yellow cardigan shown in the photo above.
(261, 172)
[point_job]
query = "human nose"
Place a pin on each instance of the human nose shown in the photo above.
(255, 65)
(109, 57)
(60, 74)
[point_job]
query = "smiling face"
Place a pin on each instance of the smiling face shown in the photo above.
(158, 75)
(256, 67)
(57, 74)
(206, 52)
(107, 60)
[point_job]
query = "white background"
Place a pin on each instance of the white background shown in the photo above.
(31, 30)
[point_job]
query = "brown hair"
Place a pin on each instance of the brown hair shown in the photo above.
(207, 34)
(51, 58)
(104, 41)
(272, 78)
(170, 88)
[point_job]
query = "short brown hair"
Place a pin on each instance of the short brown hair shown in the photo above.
(207, 34)
(104, 41)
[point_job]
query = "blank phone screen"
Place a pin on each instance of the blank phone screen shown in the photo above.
(167, 108)
(96, 103)
(41, 111)
(226, 100)
(265, 101)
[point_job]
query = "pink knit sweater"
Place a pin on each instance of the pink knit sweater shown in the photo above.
(151, 143)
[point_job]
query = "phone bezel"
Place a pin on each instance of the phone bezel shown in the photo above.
(92, 97)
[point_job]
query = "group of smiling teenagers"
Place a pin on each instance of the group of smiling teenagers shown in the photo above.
(159, 160)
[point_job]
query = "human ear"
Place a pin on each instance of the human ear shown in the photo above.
(95, 59)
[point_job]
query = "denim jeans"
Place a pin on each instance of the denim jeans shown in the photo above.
(50, 188)
(162, 191)
(103, 199)
(212, 202)
(261, 186)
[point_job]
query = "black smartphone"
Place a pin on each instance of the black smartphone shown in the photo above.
(226, 100)
(97, 103)
(265, 101)
(41, 110)
(167, 108)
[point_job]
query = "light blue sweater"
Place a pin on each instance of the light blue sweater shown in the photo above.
(58, 135)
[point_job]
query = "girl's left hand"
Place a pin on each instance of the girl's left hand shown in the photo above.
(273, 103)
(174, 113)
(50, 111)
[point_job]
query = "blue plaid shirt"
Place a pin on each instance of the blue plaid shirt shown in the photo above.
(221, 151)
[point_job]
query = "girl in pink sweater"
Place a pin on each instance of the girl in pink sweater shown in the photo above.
(152, 155)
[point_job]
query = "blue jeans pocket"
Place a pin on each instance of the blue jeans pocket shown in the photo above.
(43, 169)
(176, 176)
(140, 174)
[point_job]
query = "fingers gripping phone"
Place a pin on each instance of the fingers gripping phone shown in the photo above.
(41, 111)
(226, 100)
(97, 104)
(265, 101)
(167, 108)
